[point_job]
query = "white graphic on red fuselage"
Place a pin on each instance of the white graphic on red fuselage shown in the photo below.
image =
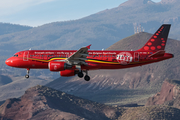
(124, 58)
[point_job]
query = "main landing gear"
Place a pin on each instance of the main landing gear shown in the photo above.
(27, 75)
(86, 78)
(81, 75)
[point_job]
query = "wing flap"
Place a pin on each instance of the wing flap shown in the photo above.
(79, 57)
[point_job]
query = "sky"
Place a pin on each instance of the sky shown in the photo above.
(38, 12)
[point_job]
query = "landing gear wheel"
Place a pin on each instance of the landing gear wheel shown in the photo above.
(80, 74)
(86, 78)
(27, 76)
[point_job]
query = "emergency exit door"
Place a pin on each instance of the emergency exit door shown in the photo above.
(136, 57)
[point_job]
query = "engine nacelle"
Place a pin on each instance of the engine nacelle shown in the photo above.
(67, 73)
(58, 66)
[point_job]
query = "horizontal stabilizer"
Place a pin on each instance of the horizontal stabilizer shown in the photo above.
(159, 53)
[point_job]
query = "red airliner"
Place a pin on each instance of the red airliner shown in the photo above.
(72, 62)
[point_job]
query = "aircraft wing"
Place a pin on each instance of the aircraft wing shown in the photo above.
(79, 57)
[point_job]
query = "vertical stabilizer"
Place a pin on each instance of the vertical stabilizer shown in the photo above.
(158, 40)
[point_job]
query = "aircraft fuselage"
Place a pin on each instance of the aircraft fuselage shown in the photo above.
(39, 59)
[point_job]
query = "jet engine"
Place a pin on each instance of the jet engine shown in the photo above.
(67, 73)
(58, 66)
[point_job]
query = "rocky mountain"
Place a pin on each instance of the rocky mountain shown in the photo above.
(131, 3)
(168, 1)
(14, 86)
(7, 28)
(101, 29)
(40, 103)
(43, 103)
(138, 83)
(169, 95)
(151, 75)
(151, 113)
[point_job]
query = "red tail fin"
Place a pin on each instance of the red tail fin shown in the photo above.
(158, 40)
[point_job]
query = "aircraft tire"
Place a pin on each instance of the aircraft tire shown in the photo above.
(27, 76)
(86, 78)
(80, 75)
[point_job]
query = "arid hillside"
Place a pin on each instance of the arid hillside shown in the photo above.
(43, 103)
(139, 82)
(14, 86)
(169, 95)
(151, 113)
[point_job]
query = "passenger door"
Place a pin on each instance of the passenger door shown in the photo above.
(25, 56)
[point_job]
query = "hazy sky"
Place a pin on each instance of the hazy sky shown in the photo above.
(39, 12)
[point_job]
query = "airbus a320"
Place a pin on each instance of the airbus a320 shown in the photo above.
(72, 62)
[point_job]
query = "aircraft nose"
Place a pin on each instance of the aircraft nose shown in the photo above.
(9, 62)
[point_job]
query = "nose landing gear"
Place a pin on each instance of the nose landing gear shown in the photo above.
(27, 75)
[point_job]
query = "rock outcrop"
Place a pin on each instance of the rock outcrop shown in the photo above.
(169, 94)
(42, 103)
(155, 112)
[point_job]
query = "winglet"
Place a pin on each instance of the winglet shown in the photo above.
(88, 46)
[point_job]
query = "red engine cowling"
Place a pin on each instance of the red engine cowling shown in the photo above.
(67, 73)
(58, 66)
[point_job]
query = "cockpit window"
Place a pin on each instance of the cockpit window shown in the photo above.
(16, 55)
